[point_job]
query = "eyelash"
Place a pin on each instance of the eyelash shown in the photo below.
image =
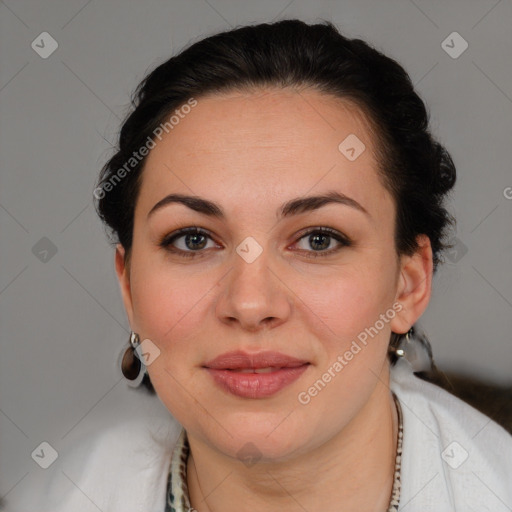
(166, 242)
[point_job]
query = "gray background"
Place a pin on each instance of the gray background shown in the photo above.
(62, 321)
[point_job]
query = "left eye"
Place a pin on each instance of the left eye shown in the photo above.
(321, 240)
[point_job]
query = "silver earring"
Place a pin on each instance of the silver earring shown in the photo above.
(132, 366)
(416, 348)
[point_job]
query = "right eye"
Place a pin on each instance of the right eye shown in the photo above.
(192, 242)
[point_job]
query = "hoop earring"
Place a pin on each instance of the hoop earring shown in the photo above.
(132, 367)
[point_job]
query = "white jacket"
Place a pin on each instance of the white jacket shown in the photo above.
(454, 459)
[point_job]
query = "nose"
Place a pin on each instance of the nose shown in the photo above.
(253, 296)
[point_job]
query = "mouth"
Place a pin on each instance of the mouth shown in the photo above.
(257, 375)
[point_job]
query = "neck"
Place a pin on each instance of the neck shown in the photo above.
(354, 468)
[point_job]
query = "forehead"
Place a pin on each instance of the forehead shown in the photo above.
(264, 143)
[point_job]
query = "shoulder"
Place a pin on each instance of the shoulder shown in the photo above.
(453, 455)
(120, 467)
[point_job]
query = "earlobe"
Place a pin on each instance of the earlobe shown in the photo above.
(123, 276)
(414, 287)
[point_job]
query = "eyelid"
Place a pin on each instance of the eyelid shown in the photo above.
(167, 239)
(343, 240)
(325, 230)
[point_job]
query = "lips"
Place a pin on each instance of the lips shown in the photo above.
(242, 361)
(254, 375)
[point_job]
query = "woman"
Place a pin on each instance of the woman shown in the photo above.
(277, 201)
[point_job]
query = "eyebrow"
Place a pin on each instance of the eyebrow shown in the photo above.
(293, 207)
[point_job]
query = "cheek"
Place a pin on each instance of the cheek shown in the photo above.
(164, 301)
(170, 309)
(346, 303)
(171, 305)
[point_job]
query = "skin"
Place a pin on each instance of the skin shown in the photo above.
(250, 153)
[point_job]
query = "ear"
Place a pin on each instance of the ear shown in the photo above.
(123, 276)
(414, 286)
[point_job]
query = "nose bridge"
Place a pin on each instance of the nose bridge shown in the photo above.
(251, 279)
(252, 294)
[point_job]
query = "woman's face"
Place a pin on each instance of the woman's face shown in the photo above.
(252, 282)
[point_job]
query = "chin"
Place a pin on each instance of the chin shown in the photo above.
(262, 439)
